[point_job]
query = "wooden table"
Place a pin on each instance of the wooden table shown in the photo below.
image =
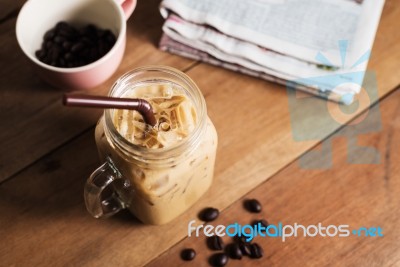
(48, 151)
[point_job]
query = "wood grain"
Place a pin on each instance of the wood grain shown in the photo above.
(32, 198)
(62, 125)
(359, 195)
(9, 10)
(43, 217)
(50, 151)
(33, 120)
(61, 175)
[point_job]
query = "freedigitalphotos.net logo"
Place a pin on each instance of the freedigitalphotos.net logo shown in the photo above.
(315, 120)
(281, 231)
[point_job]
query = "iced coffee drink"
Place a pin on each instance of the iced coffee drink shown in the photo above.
(166, 168)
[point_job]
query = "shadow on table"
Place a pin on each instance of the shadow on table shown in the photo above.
(146, 21)
(52, 190)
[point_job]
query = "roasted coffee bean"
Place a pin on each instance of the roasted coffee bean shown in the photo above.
(241, 239)
(90, 29)
(62, 25)
(87, 41)
(188, 254)
(215, 243)
(46, 59)
(102, 48)
(40, 54)
(110, 37)
(54, 52)
(69, 57)
(77, 47)
(61, 62)
(66, 33)
(219, 259)
(261, 222)
(100, 33)
(93, 54)
(67, 45)
(245, 248)
(208, 214)
(59, 39)
(234, 251)
(83, 53)
(253, 205)
(256, 251)
(49, 35)
(48, 45)
(80, 62)
(67, 30)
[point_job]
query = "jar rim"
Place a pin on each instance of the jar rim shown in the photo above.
(149, 154)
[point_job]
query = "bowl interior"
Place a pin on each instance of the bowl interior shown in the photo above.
(38, 16)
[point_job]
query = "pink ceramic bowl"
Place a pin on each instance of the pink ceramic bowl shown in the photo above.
(38, 16)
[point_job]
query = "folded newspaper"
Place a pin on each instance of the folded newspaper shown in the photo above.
(318, 46)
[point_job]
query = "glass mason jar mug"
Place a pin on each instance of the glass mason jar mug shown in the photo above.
(155, 183)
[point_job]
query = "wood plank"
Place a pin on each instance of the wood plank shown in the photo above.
(33, 190)
(9, 10)
(358, 195)
(30, 199)
(32, 117)
(248, 154)
(44, 221)
(142, 35)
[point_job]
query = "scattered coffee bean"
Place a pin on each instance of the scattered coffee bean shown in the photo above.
(256, 251)
(241, 239)
(234, 251)
(262, 222)
(215, 243)
(209, 214)
(253, 205)
(219, 259)
(188, 254)
(245, 248)
(66, 46)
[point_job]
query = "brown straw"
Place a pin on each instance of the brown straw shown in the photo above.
(140, 105)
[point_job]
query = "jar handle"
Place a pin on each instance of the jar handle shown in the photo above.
(101, 196)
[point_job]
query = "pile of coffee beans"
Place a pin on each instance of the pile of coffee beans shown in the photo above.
(65, 46)
(236, 250)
